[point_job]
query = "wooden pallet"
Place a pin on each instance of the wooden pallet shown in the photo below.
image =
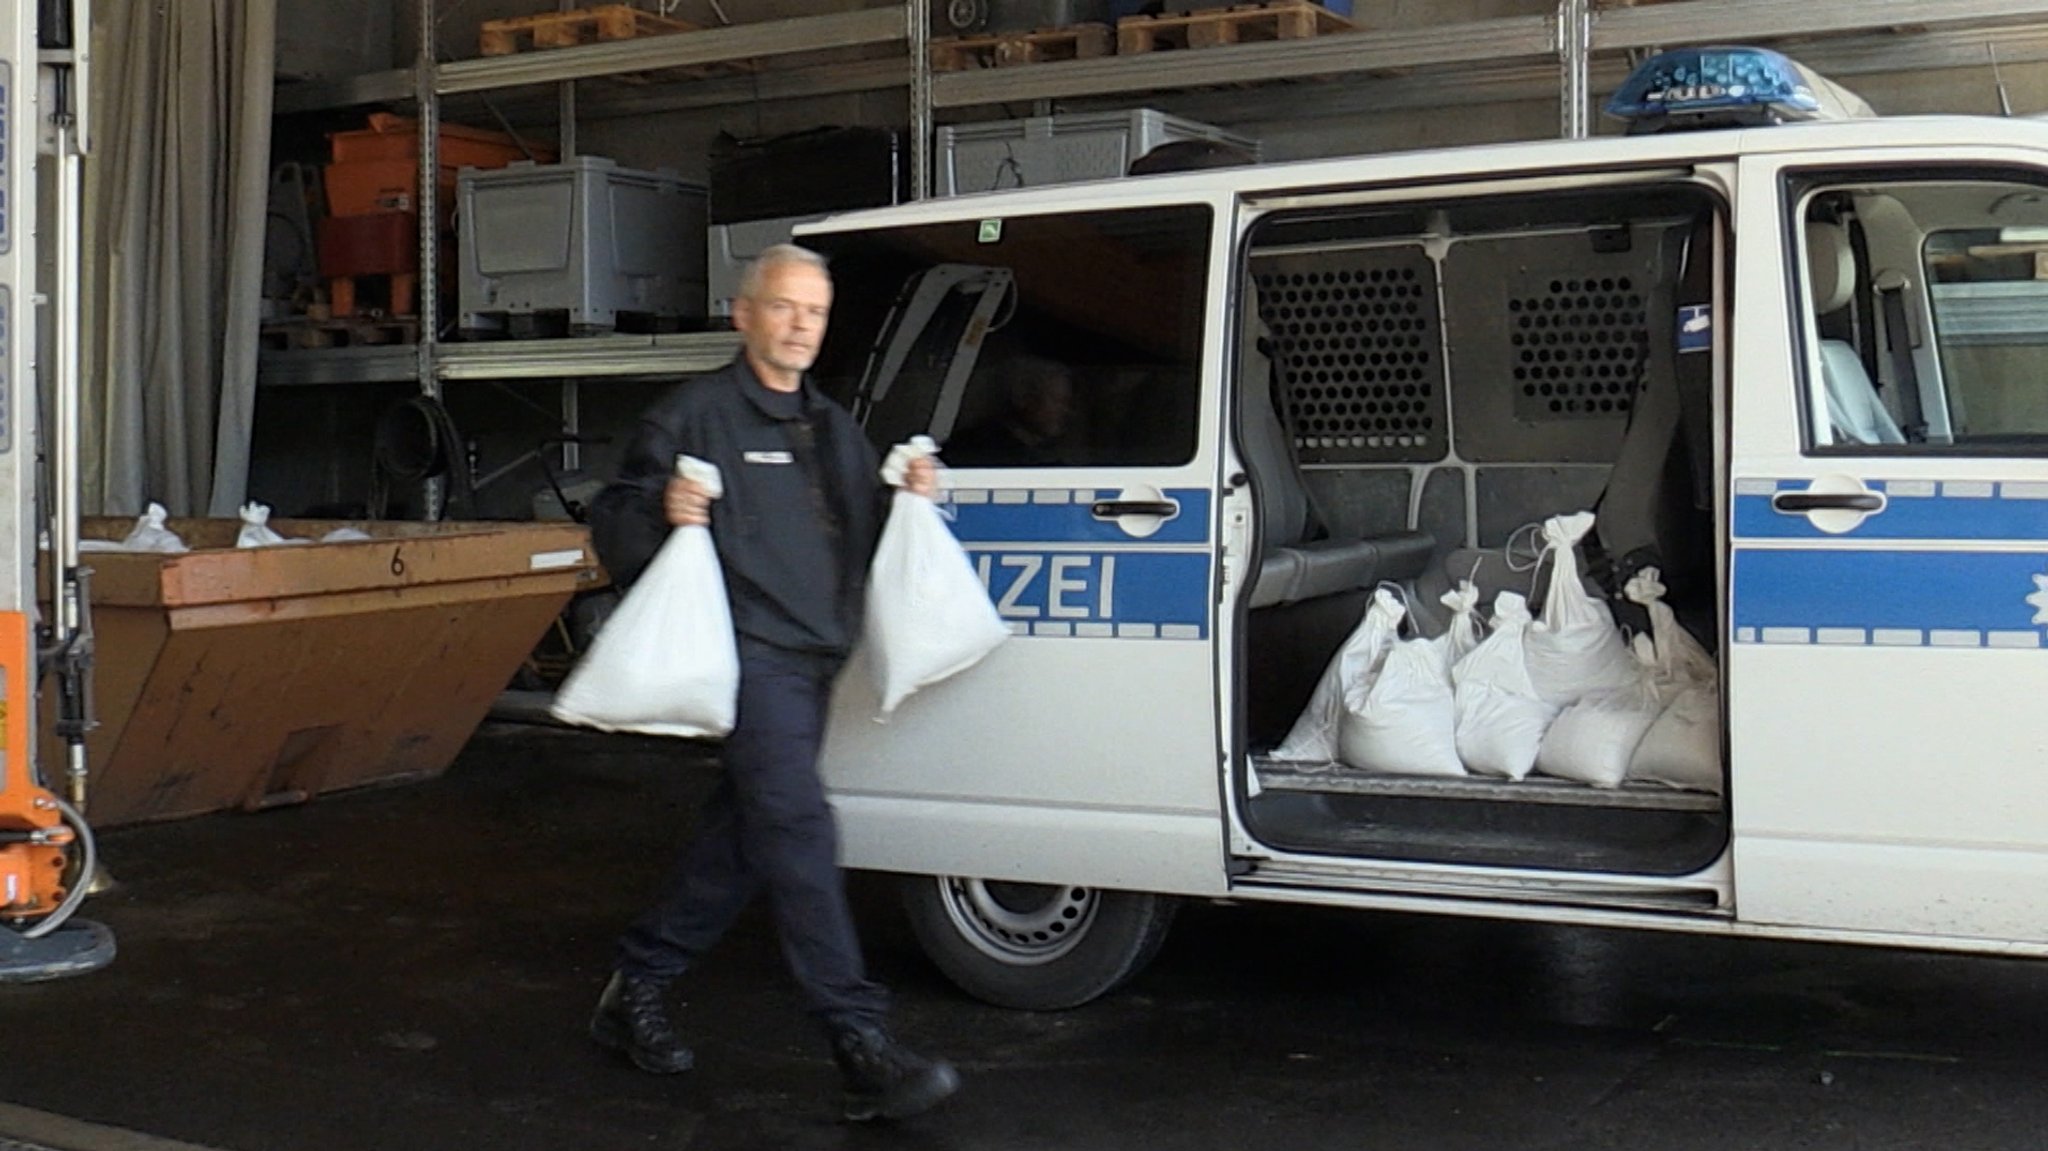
(306, 332)
(568, 29)
(1006, 49)
(1241, 24)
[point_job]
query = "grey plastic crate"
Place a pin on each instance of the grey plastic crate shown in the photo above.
(1061, 149)
(734, 246)
(586, 238)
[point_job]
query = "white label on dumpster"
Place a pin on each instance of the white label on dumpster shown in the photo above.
(549, 561)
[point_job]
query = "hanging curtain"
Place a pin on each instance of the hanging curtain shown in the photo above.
(176, 192)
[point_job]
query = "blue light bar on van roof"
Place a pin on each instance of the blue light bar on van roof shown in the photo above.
(1721, 87)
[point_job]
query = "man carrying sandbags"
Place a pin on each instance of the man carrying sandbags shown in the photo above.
(795, 528)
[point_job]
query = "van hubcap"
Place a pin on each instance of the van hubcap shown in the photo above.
(1024, 924)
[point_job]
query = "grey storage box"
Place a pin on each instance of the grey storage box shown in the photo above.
(585, 239)
(734, 246)
(1061, 149)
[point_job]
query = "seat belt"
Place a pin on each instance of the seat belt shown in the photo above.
(1863, 315)
(1898, 340)
(1694, 370)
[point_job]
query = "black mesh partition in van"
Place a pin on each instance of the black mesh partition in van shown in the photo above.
(1580, 346)
(1357, 341)
(1551, 335)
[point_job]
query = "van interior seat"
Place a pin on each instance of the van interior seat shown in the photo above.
(1293, 565)
(1854, 407)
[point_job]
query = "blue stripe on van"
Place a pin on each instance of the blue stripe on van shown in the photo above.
(1860, 596)
(1087, 593)
(1061, 515)
(1914, 510)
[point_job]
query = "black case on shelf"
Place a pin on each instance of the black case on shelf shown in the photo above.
(807, 173)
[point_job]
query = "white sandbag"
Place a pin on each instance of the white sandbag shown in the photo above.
(256, 532)
(150, 534)
(1677, 660)
(1313, 739)
(1682, 749)
(1466, 630)
(1593, 740)
(1500, 719)
(1403, 721)
(1574, 650)
(666, 661)
(346, 536)
(928, 615)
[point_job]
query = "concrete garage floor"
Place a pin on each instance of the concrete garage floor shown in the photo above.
(412, 968)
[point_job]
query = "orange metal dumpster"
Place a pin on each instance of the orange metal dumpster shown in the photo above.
(242, 678)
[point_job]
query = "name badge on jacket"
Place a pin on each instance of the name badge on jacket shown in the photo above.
(768, 457)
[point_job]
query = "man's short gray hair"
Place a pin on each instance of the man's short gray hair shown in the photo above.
(775, 256)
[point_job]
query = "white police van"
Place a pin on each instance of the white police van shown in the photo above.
(1797, 359)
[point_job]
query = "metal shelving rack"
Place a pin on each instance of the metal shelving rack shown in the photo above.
(432, 363)
(1852, 36)
(1577, 51)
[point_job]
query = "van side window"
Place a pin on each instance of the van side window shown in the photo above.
(1068, 340)
(1926, 314)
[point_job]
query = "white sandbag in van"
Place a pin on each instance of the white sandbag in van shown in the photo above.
(1403, 721)
(1466, 630)
(1313, 739)
(1573, 649)
(1500, 718)
(666, 661)
(1682, 748)
(928, 615)
(1593, 740)
(1676, 659)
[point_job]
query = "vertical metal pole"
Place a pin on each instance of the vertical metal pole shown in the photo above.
(428, 295)
(1575, 53)
(566, 134)
(572, 424)
(566, 137)
(71, 637)
(65, 487)
(919, 13)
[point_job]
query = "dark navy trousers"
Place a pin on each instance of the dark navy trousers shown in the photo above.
(767, 827)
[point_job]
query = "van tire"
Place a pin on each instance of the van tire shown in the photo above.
(1035, 947)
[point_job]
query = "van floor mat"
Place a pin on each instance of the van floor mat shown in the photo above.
(1464, 832)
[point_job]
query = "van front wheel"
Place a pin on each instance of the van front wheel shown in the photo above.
(1034, 946)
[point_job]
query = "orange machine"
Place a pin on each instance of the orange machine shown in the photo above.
(34, 837)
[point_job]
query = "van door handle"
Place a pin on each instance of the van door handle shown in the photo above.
(1799, 503)
(1116, 509)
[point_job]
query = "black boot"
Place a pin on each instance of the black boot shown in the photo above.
(886, 1080)
(632, 1020)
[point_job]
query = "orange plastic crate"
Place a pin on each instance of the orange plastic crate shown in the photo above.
(392, 137)
(376, 169)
